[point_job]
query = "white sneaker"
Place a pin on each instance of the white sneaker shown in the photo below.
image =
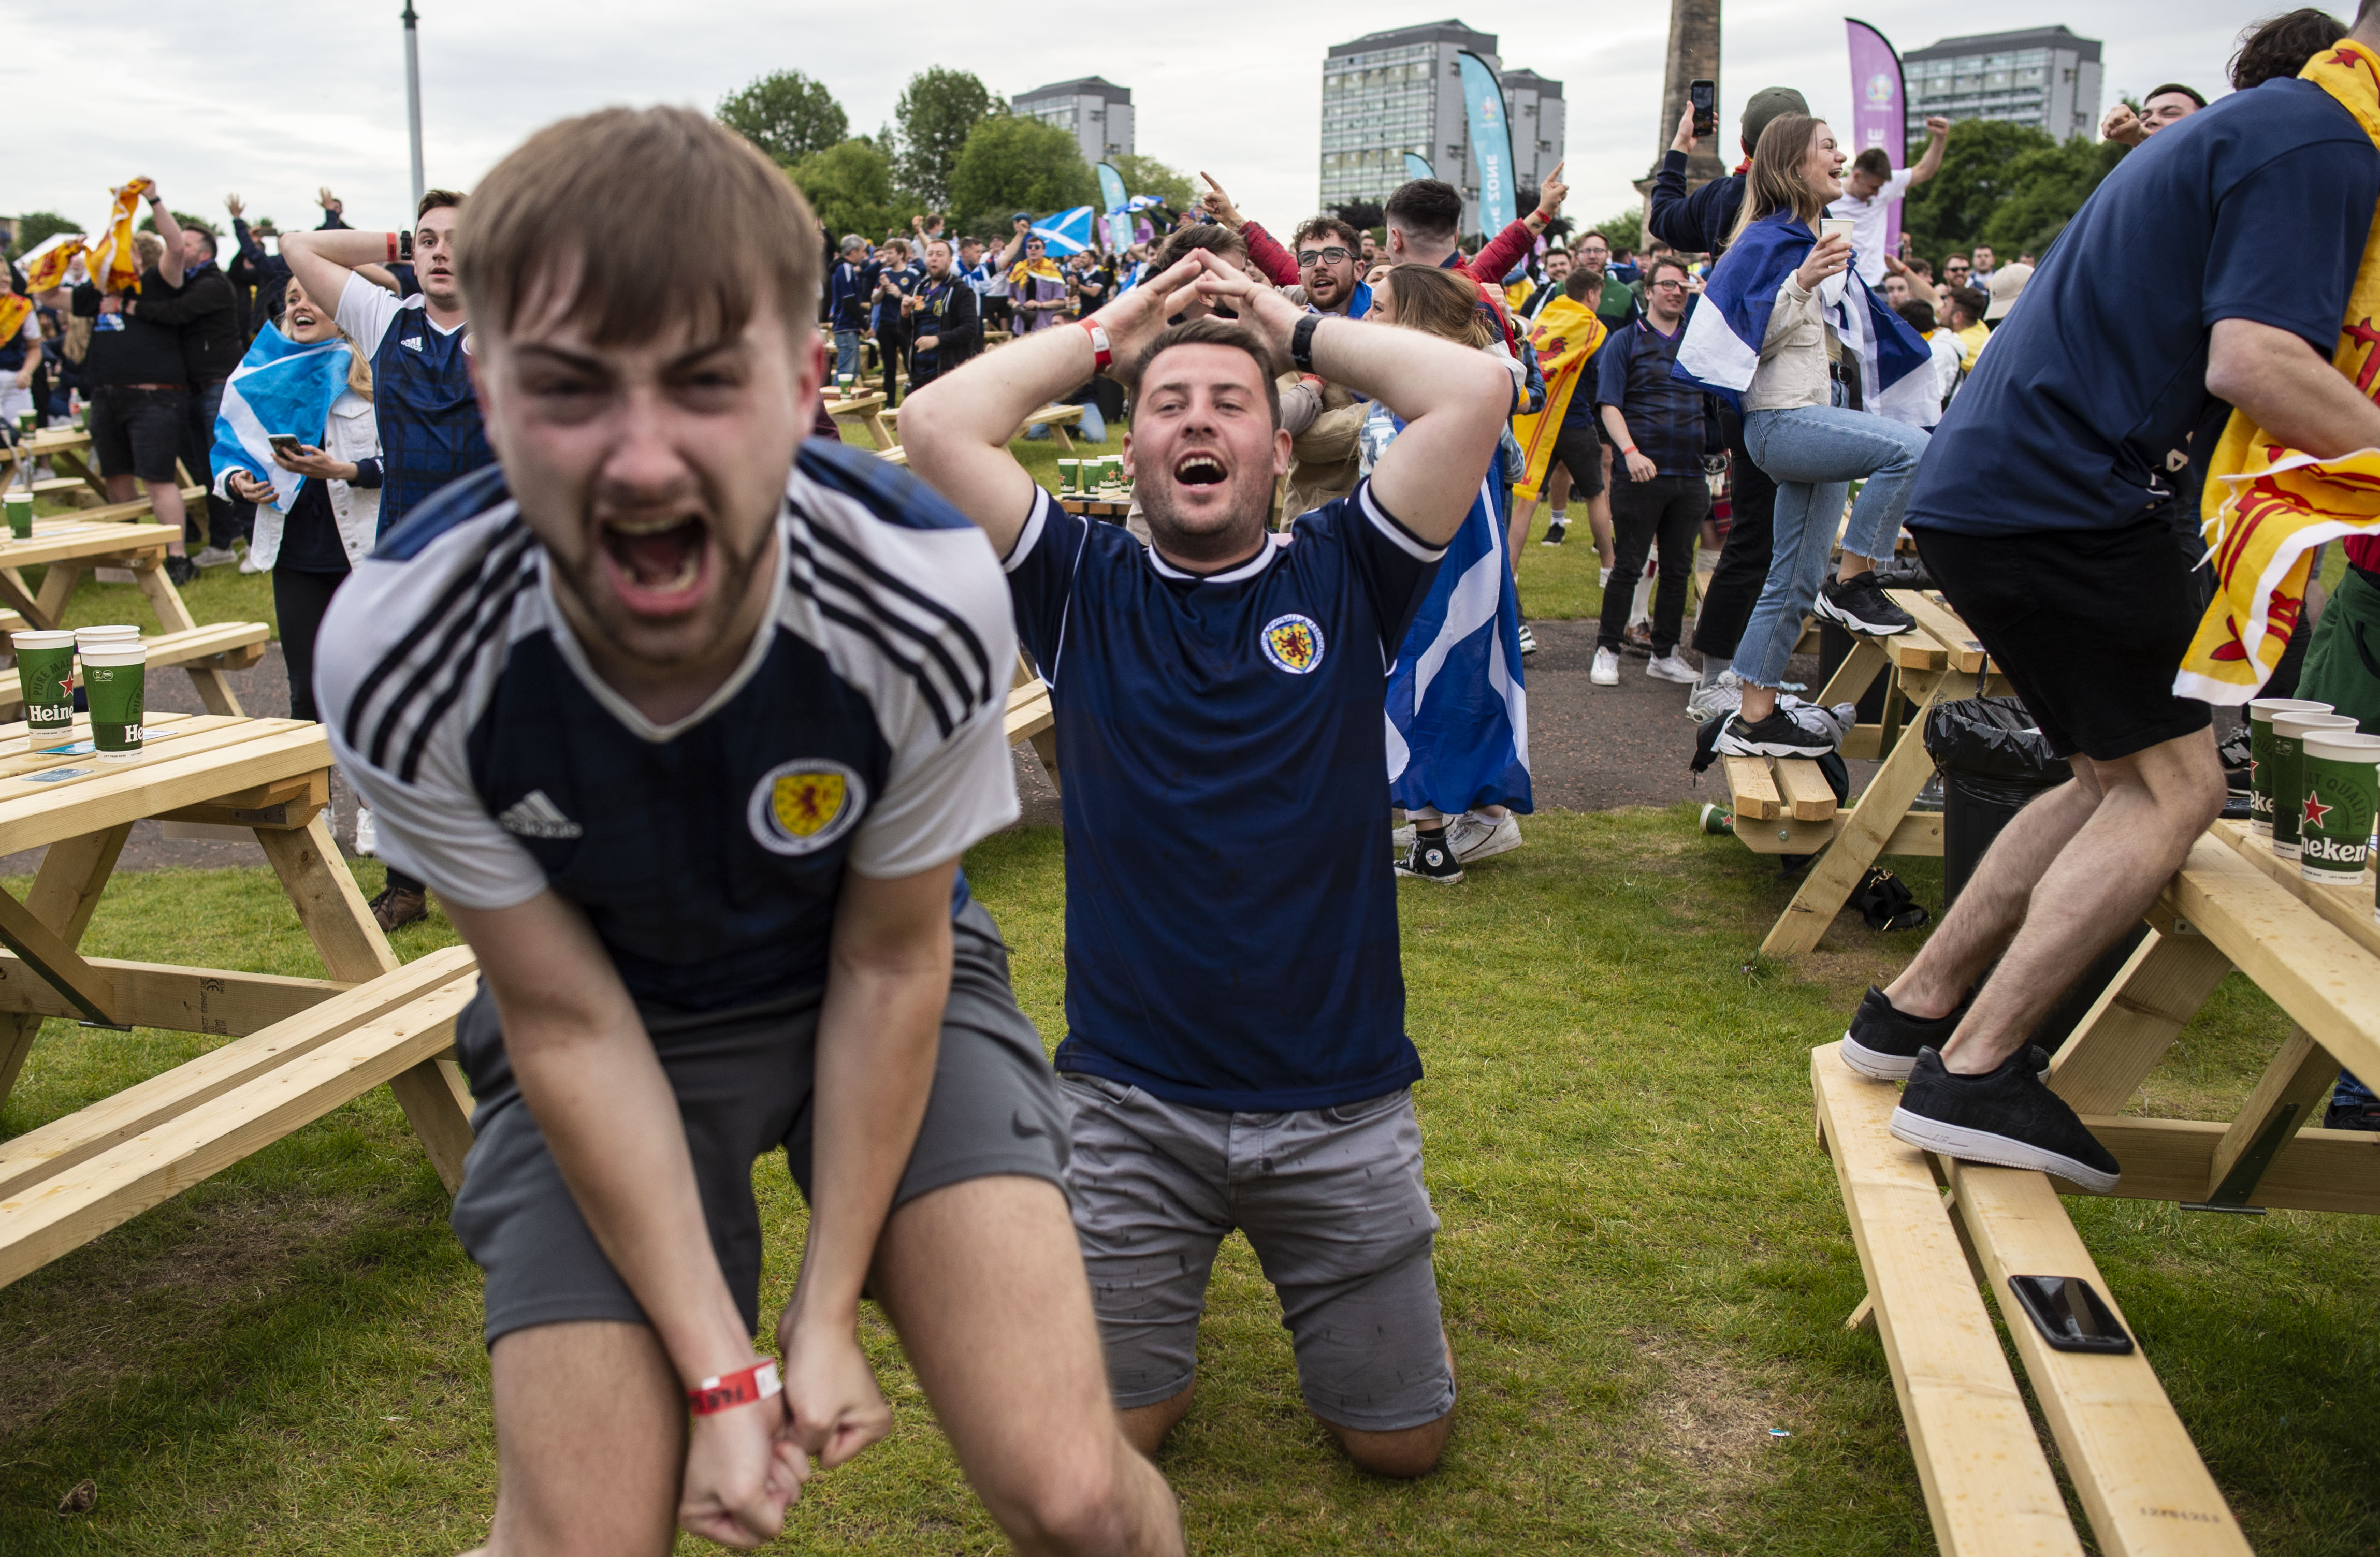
(367, 832)
(1474, 837)
(1672, 666)
(1603, 579)
(1401, 839)
(1606, 671)
(214, 556)
(1717, 700)
(1528, 639)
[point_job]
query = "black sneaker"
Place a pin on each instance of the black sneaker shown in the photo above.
(1554, 533)
(2351, 1116)
(1776, 735)
(181, 570)
(1859, 605)
(2005, 1118)
(1882, 1043)
(1432, 859)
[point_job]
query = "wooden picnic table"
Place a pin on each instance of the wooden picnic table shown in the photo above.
(868, 412)
(68, 446)
(1113, 509)
(1785, 806)
(70, 546)
(302, 1046)
(2315, 950)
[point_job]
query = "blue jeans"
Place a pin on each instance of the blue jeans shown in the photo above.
(1814, 452)
(846, 353)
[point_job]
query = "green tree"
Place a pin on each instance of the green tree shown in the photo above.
(2010, 186)
(1013, 163)
(1623, 231)
(1146, 176)
(850, 187)
(937, 111)
(36, 227)
(786, 114)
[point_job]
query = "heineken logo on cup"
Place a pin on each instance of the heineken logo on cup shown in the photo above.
(2261, 714)
(2342, 773)
(45, 679)
(114, 674)
(2291, 728)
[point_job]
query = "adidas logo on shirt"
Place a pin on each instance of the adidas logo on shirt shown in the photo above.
(535, 816)
(410, 342)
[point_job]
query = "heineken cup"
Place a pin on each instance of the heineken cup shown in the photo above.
(2289, 731)
(114, 680)
(1069, 477)
(21, 515)
(2260, 754)
(45, 680)
(2342, 782)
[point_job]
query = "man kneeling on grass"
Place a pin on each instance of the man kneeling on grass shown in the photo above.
(688, 731)
(1237, 1053)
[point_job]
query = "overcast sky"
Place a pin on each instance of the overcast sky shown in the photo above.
(269, 102)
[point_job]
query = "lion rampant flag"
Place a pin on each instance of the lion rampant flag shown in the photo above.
(114, 263)
(2267, 506)
(50, 263)
(13, 309)
(1567, 336)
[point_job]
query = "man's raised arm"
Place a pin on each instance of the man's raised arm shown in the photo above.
(956, 429)
(1454, 399)
(323, 259)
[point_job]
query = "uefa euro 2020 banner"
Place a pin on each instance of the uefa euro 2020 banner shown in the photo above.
(1879, 109)
(1491, 142)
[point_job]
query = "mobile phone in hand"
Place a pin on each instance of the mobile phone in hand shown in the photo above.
(1704, 97)
(284, 443)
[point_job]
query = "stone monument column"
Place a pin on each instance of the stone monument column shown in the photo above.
(1694, 56)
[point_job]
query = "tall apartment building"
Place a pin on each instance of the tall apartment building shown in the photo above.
(2044, 77)
(1094, 110)
(1388, 93)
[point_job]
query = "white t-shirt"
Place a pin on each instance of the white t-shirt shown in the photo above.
(1867, 238)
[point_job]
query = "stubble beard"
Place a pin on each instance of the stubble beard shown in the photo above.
(1217, 543)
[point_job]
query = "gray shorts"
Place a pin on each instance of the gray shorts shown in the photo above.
(1332, 1200)
(743, 1080)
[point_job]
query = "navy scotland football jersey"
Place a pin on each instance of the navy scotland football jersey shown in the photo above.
(429, 427)
(1230, 904)
(862, 730)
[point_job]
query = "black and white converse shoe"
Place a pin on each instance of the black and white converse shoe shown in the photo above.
(2004, 1117)
(1432, 859)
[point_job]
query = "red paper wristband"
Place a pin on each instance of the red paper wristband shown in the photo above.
(392, 248)
(1101, 356)
(725, 1392)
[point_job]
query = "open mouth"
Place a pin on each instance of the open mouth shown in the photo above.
(658, 566)
(1199, 470)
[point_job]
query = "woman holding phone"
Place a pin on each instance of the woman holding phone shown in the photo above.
(1788, 329)
(329, 523)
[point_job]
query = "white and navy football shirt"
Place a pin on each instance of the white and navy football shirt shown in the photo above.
(862, 730)
(1230, 904)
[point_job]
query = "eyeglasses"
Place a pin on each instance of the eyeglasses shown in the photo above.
(1309, 258)
(1666, 287)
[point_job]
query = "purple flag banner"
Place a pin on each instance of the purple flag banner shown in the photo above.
(1879, 109)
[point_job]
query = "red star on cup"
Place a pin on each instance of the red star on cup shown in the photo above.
(2315, 810)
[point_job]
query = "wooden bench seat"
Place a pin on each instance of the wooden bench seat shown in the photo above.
(215, 646)
(1783, 804)
(1057, 418)
(71, 1180)
(1029, 717)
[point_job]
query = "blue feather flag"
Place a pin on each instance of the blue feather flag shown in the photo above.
(1458, 713)
(1722, 349)
(279, 387)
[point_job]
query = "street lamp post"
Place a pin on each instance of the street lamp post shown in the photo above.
(413, 95)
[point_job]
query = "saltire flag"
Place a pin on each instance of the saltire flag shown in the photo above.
(1067, 232)
(1566, 334)
(115, 262)
(1724, 332)
(1458, 716)
(50, 262)
(279, 387)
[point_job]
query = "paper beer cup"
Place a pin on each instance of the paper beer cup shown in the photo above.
(1069, 475)
(2288, 775)
(2260, 714)
(115, 685)
(45, 680)
(21, 515)
(2343, 784)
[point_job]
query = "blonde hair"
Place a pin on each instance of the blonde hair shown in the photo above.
(1776, 182)
(1440, 302)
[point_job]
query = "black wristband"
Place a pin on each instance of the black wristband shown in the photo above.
(405, 249)
(1301, 343)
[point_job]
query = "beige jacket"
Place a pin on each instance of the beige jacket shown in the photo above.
(1325, 444)
(1792, 370)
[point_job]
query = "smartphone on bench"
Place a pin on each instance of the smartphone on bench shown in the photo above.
(2070, 1315)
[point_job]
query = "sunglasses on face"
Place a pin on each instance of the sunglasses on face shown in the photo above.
(1309, 258)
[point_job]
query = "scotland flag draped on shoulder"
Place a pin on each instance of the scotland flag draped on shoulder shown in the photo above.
(280, 386)
(1458, 715)
(1729, 321)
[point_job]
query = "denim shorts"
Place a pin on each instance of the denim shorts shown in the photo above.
(1331, 1199)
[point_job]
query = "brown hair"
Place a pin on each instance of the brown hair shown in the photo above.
(1873, 162)
(1326, 226)
(2281, 45)
(1971, 301)
(1653, 270)
(431, 199)
(1774, 182)
(1203, 235)
(1211, 330)
(1443, 303)
(598, 208)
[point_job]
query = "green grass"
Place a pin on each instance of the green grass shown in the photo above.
(1643, 1261)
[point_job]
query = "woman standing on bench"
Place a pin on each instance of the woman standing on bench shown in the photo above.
(310, 536)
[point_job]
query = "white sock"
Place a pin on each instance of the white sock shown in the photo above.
(1562, 515)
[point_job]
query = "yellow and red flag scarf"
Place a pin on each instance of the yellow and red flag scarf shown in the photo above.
(115, 262)
(13, 309)
(48, 268)
(1043, 268)
(1567, 336)
(2267, 506)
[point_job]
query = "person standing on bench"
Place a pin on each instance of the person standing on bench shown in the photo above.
(2042, 509)
(688, 721)
(420, 353)
(1237, 1053)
